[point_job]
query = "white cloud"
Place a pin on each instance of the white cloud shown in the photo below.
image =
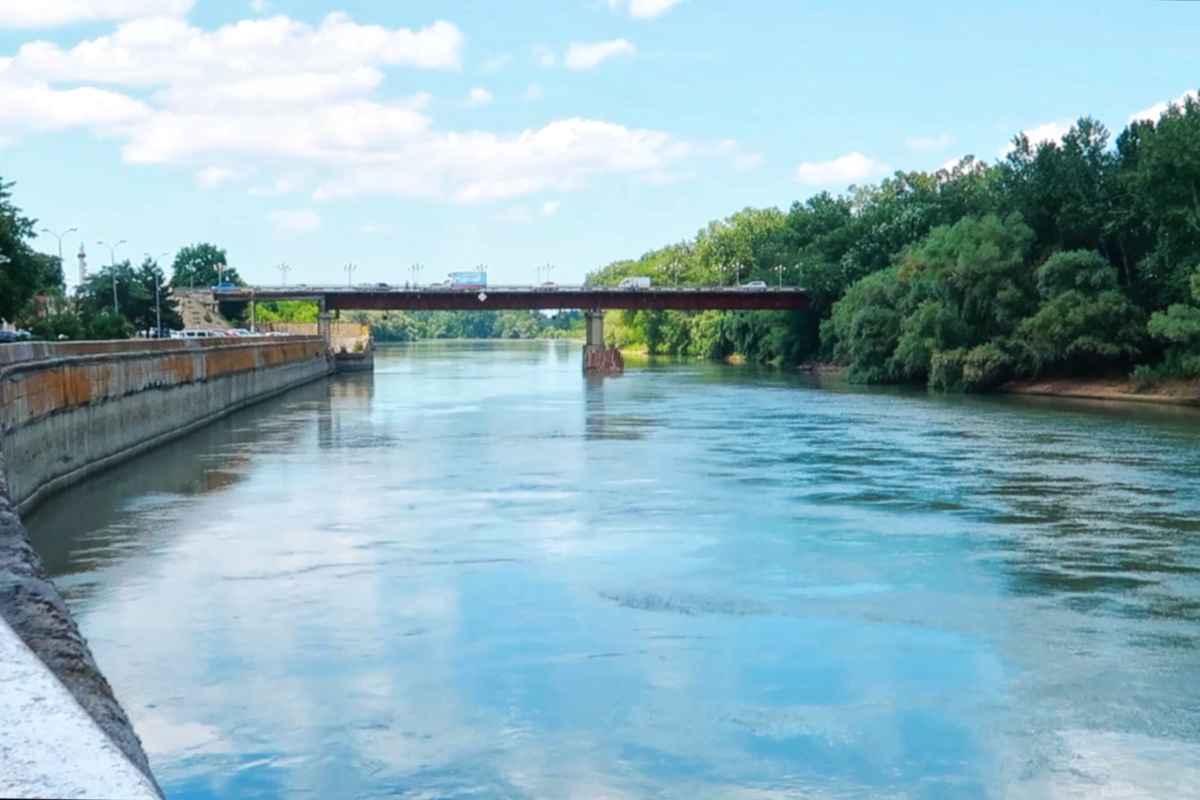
(644, 9)
(847, 169)
(285, 98)
(1155, 111)
(288, 184)
(545, 56)
(30, 14)
(513, 215)
(498, 63)
(260, 6)
(549, 208)
(477, 97)
(746, 160)
(1049, 132)
(532, 92)
(212, 177)
(247, 60)
(587, 56)
(928, 142)
(294, 222)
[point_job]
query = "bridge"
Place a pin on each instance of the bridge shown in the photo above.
(593, 300)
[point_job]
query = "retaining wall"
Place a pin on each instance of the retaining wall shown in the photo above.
(67, 411)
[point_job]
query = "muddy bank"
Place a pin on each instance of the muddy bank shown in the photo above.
(1167, 392)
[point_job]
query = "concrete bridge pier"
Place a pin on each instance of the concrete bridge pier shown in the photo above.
(596, 357)
(325, 327)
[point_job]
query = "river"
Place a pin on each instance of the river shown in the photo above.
(476, 574)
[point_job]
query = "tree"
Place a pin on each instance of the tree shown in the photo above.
(201, 266)
(23, 272)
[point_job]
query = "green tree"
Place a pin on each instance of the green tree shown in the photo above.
(1085, 321)
(201, 266)
(23, 272)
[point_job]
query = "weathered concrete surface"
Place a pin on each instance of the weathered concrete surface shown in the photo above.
(68, 414)
(64, 734)
(66, 411)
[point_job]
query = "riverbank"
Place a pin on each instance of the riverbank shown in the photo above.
(1167, 392)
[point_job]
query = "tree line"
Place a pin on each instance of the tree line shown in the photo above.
(116, 300)
(1071, 257)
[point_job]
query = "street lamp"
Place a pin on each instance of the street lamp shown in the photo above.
(675, 269)
(780, 268)
(284, 269)
(546, 268)
(416, 273)
(157, 308)
(59, 237)
(112, 263)
(350, 273)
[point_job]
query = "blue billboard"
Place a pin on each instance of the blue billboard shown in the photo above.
(468, 280)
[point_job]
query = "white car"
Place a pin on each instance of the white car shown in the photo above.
(755, 285)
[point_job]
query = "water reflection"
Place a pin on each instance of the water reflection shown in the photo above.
(478, 575)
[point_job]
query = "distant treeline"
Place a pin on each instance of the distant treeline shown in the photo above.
(1063, 258)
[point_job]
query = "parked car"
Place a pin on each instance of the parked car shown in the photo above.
(637, 282)
(202, 334)
(755, 285)
(241, 332)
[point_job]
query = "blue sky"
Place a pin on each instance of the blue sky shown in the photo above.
(598, 129)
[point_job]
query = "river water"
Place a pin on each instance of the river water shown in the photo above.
(475, 574)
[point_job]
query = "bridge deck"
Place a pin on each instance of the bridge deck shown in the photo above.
(442, 298)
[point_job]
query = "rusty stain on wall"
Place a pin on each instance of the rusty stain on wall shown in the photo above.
(28, 391)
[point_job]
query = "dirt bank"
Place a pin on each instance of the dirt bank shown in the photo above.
(1168, 392)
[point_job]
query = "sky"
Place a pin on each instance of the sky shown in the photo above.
(518, 133)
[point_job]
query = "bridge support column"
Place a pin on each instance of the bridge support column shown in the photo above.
(596, 357)
(325, 328)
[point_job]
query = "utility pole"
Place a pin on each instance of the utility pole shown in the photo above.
(284, 269)
(112, 263)
(349, 274)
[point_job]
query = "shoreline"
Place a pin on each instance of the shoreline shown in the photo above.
(1167, 392)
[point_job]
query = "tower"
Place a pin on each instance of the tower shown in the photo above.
(82, 266)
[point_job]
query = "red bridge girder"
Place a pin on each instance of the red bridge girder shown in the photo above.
(505, 298)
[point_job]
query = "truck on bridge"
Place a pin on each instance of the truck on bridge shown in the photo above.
(468, 280)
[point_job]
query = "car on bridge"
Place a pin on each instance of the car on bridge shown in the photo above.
(220, 287)
(635, 282)
(755, 285)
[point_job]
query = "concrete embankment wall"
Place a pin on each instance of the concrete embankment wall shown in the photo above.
(343, 336)
(67, 411)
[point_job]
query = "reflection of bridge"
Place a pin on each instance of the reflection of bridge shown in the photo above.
(594, 300)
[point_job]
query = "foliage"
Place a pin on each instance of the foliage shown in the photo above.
(23, 272)
(1064, 257)
(286, 311)
(202, 266)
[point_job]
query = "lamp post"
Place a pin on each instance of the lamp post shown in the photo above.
(546, 268)
(350, 273)
(284, 269)
(157, 306)
(780, 268)
(416, 268)
(59, 236)
(675, 270)
(112, 263)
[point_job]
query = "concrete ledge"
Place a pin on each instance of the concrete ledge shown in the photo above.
(58, 750)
